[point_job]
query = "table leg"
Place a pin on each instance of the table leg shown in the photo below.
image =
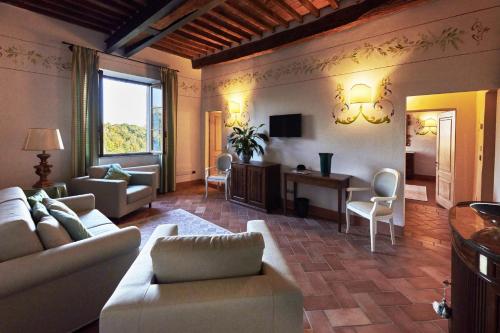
(284, 194)
(339, 209)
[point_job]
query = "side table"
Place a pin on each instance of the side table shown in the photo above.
(56, 190)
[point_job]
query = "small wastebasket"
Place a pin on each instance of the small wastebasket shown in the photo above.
(302, 207)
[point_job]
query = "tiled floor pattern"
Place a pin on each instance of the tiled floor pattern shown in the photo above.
(347, 289)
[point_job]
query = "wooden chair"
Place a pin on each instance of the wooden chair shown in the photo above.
(223, 174)
(383, 190)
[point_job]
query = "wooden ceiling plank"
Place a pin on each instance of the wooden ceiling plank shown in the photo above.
(193, 42)
(242, 13)
(310, 7)
(133, 49)
(202, 24)
(225, 26)
(242, 24)
(104, 5)
(171, 50)
(334, 3)
(286, 7)
(265, 11)
(55, 14)
(206, 35)
(180, 47)
(199, 40)
(115, 19)
(190, 46)
(349, 16)
(140, 22)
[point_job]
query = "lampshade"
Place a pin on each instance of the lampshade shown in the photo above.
(43, 139)
(234, 107)
(360, 93)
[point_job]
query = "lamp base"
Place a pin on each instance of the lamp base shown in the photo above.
(43, 171)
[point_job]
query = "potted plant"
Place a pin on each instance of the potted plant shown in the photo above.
(247, 141)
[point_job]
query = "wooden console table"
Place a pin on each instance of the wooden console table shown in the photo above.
(335, 181)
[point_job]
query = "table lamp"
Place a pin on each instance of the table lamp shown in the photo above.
(43, 139)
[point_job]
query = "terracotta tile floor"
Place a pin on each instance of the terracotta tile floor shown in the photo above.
(346, 287)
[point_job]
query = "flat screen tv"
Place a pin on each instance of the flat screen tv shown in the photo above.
(285, 126)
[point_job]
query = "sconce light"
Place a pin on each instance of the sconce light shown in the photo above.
(425, 126)
(361, 103)
(236, 114)
(234, 107)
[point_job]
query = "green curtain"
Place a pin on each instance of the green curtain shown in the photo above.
(85, 93)
(168, 157)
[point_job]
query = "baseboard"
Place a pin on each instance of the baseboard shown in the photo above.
(328, 214)
(424, 177)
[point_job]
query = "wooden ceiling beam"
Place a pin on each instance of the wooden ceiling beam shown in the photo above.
(240, 23)
(225, 26)
(193, 42)
(180, 47)
(172, 50)
(286, 7)
(245, 14)
(106, 6)
(310, 7)
(133, 49)
(265, 11)
(113, 18)
(206, 35)
(140, 22)
(334, 4)
(345, 17)
(198, 39)
(190, 46)
(216, 31)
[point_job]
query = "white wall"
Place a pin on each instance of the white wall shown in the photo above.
(35, 91)
(303, 78)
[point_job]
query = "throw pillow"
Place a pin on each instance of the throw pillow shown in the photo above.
(72, 224)
(52, 204)
(37, 197)
(116, 172)
(52, 233)
(38, 211)
(194, 258)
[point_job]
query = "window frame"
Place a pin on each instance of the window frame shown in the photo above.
(149, 129)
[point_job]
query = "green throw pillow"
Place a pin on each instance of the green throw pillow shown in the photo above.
(38, 211)
(72, 224)
(52, 204)
(37, 197)
(116, 172)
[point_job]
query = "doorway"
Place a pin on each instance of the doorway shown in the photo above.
(214, 137)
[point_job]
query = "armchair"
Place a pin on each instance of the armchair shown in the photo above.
(383, 188)
(223, 173)
(116, 198)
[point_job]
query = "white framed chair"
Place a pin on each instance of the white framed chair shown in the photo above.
(223, 174)
(383, 189)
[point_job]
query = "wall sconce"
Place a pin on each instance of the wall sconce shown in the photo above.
(361, 104)
(235, 114)
(426, 126)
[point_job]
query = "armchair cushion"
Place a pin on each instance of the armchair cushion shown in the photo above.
(138, 192)
(195, 258)
(98, 171)
(116, 172)
(52, 233)
(365, 207)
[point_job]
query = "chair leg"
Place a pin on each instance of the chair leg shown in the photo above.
(150, 204)
(375, 227)
(372, 233)
(206, 189)
(225, 189)
(347, 221)
(391, 227)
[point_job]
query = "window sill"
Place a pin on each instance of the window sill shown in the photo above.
(128, 154)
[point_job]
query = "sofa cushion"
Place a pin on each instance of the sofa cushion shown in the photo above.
(116, 172)
(52, 233)
(13, 193)
(37, 197)
(138, 192)
(17, 229)
(98, 171)
(38, 211)
(194, 258)
(96, 223)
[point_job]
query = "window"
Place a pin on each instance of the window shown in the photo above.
(131, 117)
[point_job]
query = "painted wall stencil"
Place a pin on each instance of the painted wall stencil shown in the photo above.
(346, 111)
(426, 126)
(236, 113)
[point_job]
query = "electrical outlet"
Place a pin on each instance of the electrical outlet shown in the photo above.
(193, 172)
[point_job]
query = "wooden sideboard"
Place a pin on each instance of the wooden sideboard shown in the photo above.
(475, 272)
(256, 185)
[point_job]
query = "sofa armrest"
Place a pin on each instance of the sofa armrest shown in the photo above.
(79, 203)
(18, 274)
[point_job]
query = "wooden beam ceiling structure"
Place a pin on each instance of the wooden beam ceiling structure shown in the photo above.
(211, 31)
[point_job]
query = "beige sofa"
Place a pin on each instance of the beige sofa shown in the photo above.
(116, 198)
(63, 288)
(265, 303)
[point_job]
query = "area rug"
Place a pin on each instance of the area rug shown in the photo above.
(187, 224)
(416, 192)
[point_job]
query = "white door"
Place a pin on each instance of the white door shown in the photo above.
(445, 160)
(215, 136)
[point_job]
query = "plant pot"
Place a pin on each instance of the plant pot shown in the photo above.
(246, 157)
(325, 163)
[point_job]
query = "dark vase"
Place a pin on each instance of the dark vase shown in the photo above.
(245, 157)
(325, 163)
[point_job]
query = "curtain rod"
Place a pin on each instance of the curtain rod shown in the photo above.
(117, 56)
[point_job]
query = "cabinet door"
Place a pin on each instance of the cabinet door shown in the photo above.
(238, 182)
(256, 186)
